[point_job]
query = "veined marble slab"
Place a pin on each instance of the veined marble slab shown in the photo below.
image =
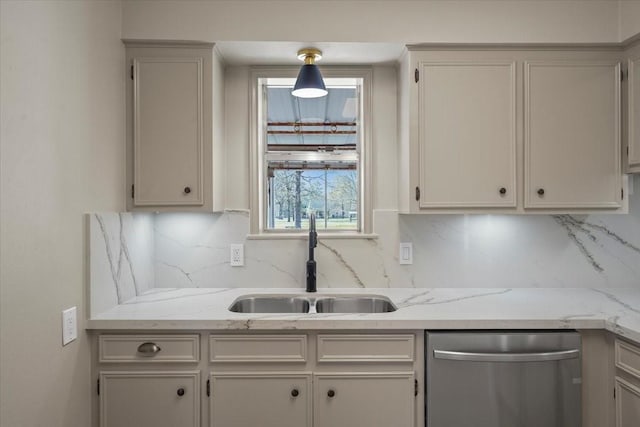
(120, 258)
(616, 310)
(134, 252)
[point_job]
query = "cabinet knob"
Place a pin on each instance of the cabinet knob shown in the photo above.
(502, 191)
(187, 190)
(148, 349)
(295, 392)
(331, 393)
(180, 392)
(540, 191)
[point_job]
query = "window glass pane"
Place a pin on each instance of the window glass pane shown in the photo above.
(312, 124)
(311, 156)
(329, 189)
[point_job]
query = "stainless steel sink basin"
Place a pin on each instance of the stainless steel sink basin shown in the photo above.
(270, 304)
(354, 304)
(312, 304)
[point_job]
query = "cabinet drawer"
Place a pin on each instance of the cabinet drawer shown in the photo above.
(258, 348)
(149, 348)
(628, 358)
(366, 348)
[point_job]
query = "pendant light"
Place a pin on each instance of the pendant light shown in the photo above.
(309, 83)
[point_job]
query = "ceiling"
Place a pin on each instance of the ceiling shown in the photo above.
(284, 53)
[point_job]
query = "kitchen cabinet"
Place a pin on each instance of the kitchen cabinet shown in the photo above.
(143, 381)
(633, 108)
(369, 399)
(572, 134)
(271, 380)
(174, 120)
(467, 133)
(266, 399)
(141, 399)
(627, 384)
(509, 130)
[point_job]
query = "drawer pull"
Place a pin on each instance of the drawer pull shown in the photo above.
(148, 349)
(331, 393)
(181, 392)
(295, 392)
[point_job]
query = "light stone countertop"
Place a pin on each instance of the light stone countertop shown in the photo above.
(616, 310)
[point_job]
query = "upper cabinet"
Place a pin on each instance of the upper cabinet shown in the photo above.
(572, 134)
(175, 99)
(633, 111)
(499, 130)
(467, 133)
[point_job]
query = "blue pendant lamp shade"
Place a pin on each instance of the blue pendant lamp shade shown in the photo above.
(309, 83)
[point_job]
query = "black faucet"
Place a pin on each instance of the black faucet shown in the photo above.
(311, 263)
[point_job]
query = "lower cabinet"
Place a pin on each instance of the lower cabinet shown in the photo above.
(627, 384)
(257, 379)
(627, 404)
(364, 399)
(147, 380)
(313, 380)
(265, 399)
(158, 399)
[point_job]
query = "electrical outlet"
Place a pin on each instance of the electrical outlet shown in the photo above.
(69, 325)
(237, 255)
(405, 255)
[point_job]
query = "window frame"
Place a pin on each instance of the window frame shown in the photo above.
(257, 175)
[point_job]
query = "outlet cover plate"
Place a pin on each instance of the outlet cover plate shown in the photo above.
(236, 255)
(69, 325)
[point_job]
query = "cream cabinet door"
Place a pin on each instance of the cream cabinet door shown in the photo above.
(627, 404)
(150, 399)
(364, 399)
(572, 135)
(276, 399)
(633, 93)
(168, 131)
(467, 134)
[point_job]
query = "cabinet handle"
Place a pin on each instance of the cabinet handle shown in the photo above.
(180, 392)
(187, 190)
(502, 191)
(331, 393)
(540, 191)
(295, 392)
(148, 349)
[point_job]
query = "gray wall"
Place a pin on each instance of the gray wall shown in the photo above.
(62, 154)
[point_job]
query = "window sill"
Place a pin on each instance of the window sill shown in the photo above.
(305, 236)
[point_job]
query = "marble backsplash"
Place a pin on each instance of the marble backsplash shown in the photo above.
(134, 253)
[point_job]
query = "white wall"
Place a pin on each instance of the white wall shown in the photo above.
(629, 18)
(62, 154)
(403, 21)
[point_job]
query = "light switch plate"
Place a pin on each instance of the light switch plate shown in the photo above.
(69, 325)
(405, 256)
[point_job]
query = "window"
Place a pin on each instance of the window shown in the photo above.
(310, 154)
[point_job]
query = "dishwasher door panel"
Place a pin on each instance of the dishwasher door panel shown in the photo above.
(467, 388)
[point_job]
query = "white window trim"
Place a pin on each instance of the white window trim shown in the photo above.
(256, 165)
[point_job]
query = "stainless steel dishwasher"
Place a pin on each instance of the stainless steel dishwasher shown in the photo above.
(503, 379)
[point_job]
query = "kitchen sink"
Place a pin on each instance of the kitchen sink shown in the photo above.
(270, 304)
(312, 304)
(354, 304)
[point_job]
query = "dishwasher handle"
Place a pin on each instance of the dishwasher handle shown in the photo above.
(545, 356)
